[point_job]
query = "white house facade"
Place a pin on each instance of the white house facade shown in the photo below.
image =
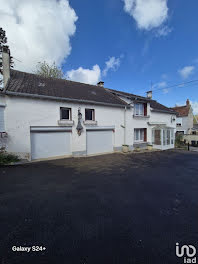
(184, 120)
(46, 117)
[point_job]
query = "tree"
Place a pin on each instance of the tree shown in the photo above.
(46, 70)
(3, 46)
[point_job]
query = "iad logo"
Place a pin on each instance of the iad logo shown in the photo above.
(189, 251)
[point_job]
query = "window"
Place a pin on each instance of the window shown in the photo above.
(179, 121)
(139, 109)
(2, 125)
(172, 136)
(90, 114)
(168, 137)
(139, 134)
(65, 113)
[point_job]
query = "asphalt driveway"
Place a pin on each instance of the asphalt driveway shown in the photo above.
(108, 209)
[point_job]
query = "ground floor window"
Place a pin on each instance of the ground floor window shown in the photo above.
(140, 134)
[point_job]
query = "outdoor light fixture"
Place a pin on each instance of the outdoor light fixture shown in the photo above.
(79, 126)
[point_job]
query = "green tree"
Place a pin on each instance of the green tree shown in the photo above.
(3, 47)
(49, 70)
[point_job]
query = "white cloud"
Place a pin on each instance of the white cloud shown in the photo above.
(165, 91)
(85, 75)
(38, 30)
(112, 64)
(162, 84)
(163, 31)
(148, 14)
(94, 75)
(186, 71)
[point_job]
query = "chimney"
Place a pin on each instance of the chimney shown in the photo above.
(187, 102)
(149, 94)
(100, 84)
(6, 64)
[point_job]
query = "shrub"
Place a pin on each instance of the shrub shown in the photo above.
(6, 158)
(178, 141)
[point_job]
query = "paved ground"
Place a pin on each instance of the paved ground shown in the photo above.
(108, 209)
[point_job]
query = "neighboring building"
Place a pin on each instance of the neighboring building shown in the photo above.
(184, 120)
(45, 117)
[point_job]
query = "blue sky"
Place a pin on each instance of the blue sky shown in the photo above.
(129, 44)
(105, 30)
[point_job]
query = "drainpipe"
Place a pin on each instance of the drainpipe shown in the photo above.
(125, 109)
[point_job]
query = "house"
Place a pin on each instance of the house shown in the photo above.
(150, 122)
(184, 120)
(46, 117)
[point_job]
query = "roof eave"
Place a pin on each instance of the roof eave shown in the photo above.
(163, 111)
(37, 96)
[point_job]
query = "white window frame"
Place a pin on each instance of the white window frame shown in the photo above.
(139, 109)
(2, 121)
(140, 134)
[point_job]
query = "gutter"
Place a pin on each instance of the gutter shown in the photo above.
(63, 99)
(163, 111)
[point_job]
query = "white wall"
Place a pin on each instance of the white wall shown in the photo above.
(163, 118)
(187, 123)
(143, 122)
(21, 113)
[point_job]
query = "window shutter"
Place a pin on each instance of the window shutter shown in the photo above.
(2, 125)
(145, 109)
(145, 134)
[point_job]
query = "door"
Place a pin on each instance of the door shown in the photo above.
(99, 141)
(46, 144)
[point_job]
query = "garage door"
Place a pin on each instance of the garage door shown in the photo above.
(99, 141)
(50, 143)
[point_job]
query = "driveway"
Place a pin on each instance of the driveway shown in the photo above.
(107, 209)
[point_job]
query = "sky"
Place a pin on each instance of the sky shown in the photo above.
(131, 45)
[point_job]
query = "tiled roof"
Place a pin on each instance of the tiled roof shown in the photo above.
(22, 83)
(154, 104)
(161, 108)
(182, 110)
(129, 95)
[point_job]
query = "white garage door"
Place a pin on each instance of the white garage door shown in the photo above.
(45, 144)
(100, 141)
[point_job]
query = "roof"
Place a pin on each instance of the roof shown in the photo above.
(154, 104)
(182, 110)
(161, 108)
(28, 84)
(129, 95)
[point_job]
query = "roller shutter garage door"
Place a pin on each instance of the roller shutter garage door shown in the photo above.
(46, 142)
(99, 141)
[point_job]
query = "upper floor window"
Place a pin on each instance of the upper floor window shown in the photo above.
(179, 121)
(90, 114)
(65, 113)
(139, 109)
